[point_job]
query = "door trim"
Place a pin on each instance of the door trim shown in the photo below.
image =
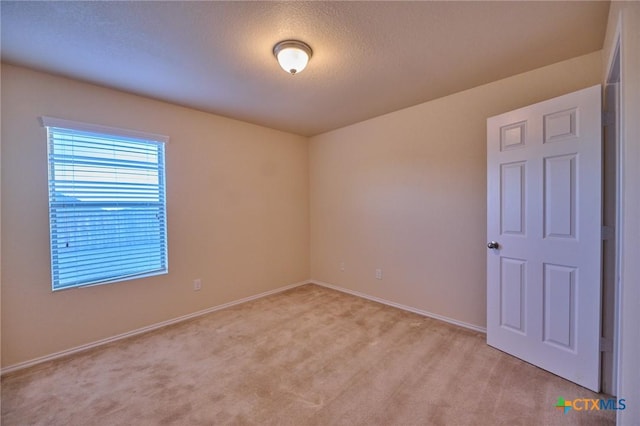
(614, 76)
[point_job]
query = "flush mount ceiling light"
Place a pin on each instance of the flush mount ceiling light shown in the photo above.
(292, 55)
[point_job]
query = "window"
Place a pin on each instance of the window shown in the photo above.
(107, 210)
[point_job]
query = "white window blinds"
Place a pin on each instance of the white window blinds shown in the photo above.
(107, 209)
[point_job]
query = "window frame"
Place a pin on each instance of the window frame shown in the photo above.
(107, 132)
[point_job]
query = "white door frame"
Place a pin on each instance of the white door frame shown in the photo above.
(611, 218)
(614, 76)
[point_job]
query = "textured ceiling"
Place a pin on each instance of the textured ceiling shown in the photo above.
(369, 58)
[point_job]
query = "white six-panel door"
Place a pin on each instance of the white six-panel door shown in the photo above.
(544, 214)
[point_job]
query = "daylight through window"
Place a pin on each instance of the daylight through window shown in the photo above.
(107, 209)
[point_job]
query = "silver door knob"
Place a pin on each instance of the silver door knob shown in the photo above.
(493, 245)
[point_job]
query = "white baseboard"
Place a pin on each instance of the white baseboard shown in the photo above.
(97, 343)
(403, 307)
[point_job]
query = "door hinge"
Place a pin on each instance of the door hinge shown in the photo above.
(608, 232)
(606, 345)
(608, 118)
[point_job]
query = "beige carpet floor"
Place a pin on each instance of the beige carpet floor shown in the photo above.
(308, 356)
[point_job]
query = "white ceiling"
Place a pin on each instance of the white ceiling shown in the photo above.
(369, 58)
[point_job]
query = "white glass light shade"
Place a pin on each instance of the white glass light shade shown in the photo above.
(292, 55)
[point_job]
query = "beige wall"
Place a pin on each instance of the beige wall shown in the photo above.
(624, 21)
(406, 192)
(238, 215)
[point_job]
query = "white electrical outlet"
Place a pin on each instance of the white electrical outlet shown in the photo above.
(378, 274)
(342, 266)
(197, 284)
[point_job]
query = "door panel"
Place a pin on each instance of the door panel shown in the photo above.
(560, 196)
(512, 293)
(560, 126)
(559, 306)
(544, 210)
(512, 180)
